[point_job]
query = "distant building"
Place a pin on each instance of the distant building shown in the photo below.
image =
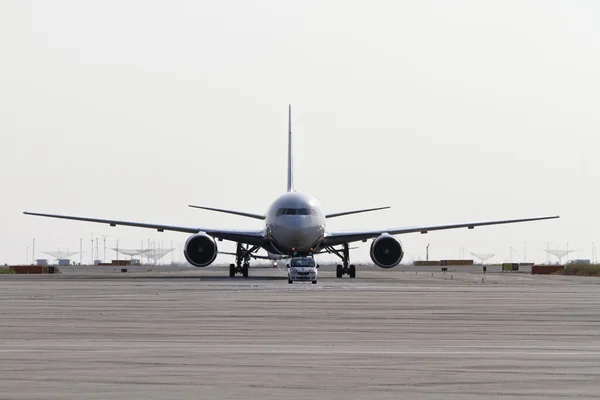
(582, 261)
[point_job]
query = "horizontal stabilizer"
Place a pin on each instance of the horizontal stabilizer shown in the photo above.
(243, 214)
(355, 212)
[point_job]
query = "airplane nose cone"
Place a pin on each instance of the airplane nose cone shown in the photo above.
(299, 238)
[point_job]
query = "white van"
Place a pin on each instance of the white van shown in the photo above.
(302, 269)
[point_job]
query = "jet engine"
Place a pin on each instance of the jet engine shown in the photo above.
(200, 250)
(386, 251)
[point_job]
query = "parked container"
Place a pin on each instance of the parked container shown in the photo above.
(27, 269)
(456, 262)
(546, 269)
(426, 263)
(510, 267)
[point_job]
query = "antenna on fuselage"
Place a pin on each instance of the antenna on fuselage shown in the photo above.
(290, 186)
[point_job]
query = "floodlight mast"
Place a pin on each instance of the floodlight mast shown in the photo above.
(59, 254)
(483, 257)
(559, 254)
(152, 253)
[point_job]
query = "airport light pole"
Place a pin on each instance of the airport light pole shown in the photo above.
(426, 251)
(92, 249)
(510, 251)
(104, 249)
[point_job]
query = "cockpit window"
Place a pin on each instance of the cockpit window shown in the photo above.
(296, 211)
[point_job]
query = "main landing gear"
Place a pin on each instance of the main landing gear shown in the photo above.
(242, 260)
(345, 268)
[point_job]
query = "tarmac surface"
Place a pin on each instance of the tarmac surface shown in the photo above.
(96, 333)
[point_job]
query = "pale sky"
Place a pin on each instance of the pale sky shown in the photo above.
(448, 111)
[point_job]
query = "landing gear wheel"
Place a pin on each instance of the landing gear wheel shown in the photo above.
(231, 270)
(290, 281)
(242, 255)
(314, 282)
(344, 255)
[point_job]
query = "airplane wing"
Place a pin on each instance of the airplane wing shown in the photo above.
(355, 212)
(243, 214)
(249, 237)
(337, 238)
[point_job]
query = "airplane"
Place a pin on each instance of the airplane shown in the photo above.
(294, 225)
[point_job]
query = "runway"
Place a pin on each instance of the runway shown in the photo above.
(401, 333)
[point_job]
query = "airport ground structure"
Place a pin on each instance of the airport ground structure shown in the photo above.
(152, 255)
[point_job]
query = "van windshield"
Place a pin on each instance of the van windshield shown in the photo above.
(302, 262)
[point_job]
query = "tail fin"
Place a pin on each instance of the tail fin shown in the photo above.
(290, 185)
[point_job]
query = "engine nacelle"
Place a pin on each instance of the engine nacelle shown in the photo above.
(200, 250)
(386, 251)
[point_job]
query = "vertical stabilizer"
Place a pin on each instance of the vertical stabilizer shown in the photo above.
(290, 186)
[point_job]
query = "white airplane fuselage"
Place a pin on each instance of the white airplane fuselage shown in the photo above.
(295, 222)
